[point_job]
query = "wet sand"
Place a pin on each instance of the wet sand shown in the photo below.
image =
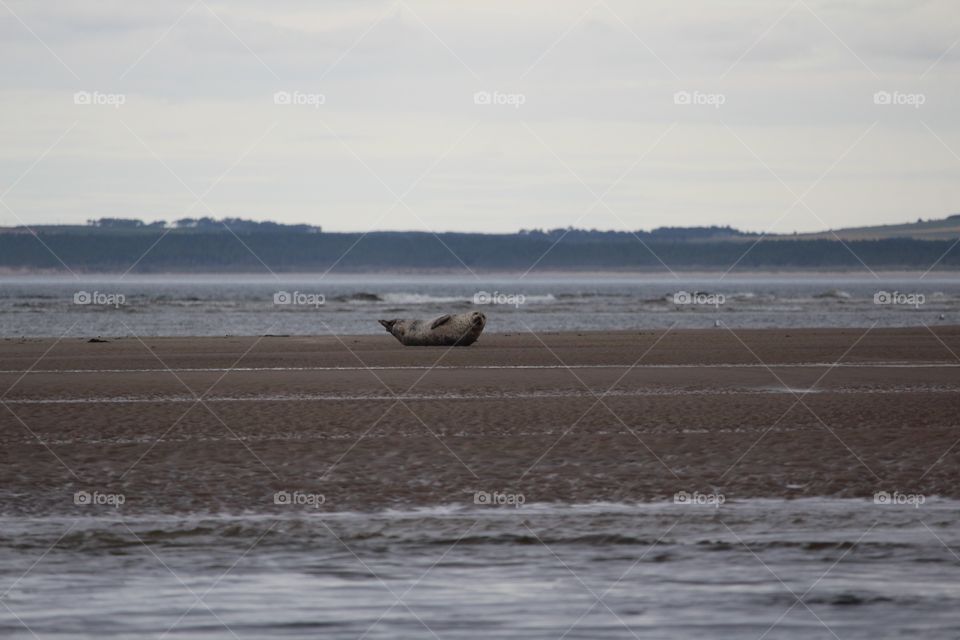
(221, 424)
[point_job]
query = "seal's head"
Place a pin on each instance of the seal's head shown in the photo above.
(479, 321)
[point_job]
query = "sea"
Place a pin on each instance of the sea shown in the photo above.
(316, 304)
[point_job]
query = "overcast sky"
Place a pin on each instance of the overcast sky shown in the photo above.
(489, 116)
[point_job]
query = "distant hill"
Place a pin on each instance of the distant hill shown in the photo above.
(944, 229)
(232, 245)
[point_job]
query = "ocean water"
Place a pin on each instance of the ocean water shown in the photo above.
(806, 568)
(216, 305)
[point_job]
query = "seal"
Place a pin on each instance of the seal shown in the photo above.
(448, 330)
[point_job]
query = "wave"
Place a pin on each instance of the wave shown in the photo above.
(836, 294)
(404, 298)
(360, 296)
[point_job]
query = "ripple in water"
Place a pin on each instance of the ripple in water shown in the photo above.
(537, 571)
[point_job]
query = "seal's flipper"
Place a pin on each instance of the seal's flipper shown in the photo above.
(440, 321)
(387, 324)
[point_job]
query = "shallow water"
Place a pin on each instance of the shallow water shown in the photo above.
(226, 304)
(808, 568)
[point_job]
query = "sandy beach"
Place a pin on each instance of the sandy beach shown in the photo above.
(222, 424)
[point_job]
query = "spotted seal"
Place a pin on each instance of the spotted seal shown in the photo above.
(448, 330)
